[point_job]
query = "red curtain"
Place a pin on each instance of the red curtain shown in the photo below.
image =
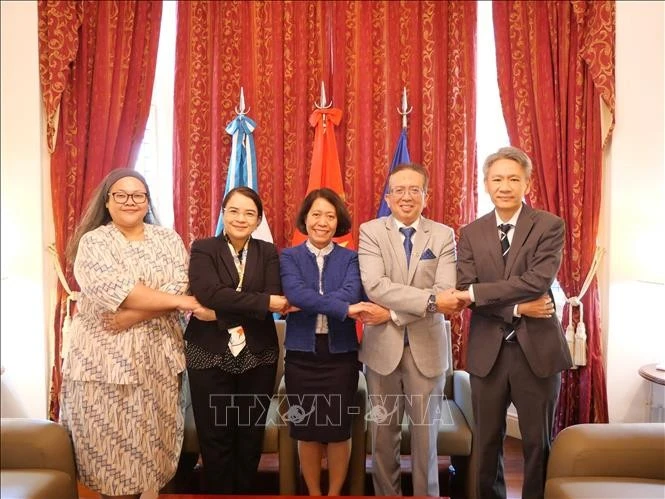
(274, 50)
(365, 52)
(555, 62)
(97, 66)
(429, 48)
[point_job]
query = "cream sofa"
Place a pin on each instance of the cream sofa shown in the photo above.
(616, 460)
(37, 460)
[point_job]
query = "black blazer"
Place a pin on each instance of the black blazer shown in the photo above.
(213, 279)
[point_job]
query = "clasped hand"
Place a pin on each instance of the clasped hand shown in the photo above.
(279, 304)
(191, 305)
(452, 301)
(369, 313)
(540, 308)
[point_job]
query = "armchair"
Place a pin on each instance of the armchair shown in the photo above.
(607, 460)
(37, 460)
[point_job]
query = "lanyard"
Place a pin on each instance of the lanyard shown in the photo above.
(239, 259)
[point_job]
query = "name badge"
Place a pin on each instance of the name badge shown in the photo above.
(237, 340)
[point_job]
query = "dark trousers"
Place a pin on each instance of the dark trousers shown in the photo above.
(230, 412)
(511, 380)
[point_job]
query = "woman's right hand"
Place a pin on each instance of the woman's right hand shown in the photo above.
(187, 303)
(355, 310)
(278, 303)
(204, 314)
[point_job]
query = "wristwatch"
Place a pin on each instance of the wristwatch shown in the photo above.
(431, 304)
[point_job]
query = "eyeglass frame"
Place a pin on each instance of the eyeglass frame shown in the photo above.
(113, 195)
(412, 190)
(235, 213)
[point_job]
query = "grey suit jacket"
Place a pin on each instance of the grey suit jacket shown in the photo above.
(533, 262)
(389, 283)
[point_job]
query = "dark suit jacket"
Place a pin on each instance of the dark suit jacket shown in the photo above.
(533, 262)
(213, 279)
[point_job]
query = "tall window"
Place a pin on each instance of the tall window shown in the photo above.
(155, 159)
(491, 131)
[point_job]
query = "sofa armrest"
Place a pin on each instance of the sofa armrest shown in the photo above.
(635, 450)
(462, 395)
(288, 451)
(36, 443)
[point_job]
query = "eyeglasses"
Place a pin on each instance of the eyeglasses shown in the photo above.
(399, 192)
(250, 216)
(121, 197)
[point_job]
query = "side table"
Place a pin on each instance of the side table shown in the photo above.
(656, 400)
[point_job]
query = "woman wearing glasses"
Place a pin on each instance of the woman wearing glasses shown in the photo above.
(121, 377)
(232, 356)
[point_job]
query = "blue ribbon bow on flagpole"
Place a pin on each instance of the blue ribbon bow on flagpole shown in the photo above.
(240, 173)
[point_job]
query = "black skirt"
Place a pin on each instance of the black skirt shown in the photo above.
(321, 388)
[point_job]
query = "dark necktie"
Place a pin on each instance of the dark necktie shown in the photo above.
(408, 244)
(503, 236)
(504, 229)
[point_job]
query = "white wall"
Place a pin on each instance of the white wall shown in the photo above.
(23, 294)
(634, 203)
(631, 225)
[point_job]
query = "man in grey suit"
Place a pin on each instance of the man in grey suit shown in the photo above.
(407, 266)
(507, 262)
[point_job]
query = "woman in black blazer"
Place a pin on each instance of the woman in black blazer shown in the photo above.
(232, 357)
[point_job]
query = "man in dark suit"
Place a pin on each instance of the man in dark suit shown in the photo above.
(507, 262)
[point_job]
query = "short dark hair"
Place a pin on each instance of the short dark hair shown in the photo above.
(413, 167)
(248, 192)
(343, 217)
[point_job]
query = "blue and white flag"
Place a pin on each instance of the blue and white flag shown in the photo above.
(242, 168)
(401, 156)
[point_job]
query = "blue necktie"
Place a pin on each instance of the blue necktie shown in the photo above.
(408, 244)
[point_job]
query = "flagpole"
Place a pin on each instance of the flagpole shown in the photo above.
(406, 110)
(240, 108)
(323, 104)
(401, 153)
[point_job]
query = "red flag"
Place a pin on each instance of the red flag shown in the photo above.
(325, 170)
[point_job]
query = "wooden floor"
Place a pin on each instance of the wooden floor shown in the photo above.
(187, 482)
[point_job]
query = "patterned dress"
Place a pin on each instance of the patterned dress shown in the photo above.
(121, 391)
